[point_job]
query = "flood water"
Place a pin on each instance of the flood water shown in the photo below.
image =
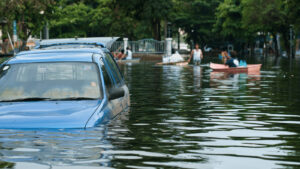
(181, 117)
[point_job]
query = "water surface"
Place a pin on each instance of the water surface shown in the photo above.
(181, 117)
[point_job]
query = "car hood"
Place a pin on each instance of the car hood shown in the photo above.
(47, 114)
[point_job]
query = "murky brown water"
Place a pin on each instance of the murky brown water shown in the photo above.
(181, 117)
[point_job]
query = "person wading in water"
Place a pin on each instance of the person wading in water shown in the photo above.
(197, 55)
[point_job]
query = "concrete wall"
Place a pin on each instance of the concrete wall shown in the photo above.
(154, 57)
(148, 57)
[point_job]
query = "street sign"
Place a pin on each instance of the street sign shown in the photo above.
(15, 36)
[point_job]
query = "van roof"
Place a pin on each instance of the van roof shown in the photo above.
(58, 55)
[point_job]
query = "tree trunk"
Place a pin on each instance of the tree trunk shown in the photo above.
(165, 29)
(276, 45)
(265, 46)
(178, 41)
(286, 42)
(156, 29)
(293, 50)
(252, 49)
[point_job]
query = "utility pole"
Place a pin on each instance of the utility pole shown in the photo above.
(192, 40)
(46, 31)
(291, 45)
(291, 41)
(15, 36)
(178, 42)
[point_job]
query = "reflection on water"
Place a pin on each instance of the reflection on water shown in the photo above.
(187, 117)
(197, 75)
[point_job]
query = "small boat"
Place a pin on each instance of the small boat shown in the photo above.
(184, 63)
(137, 60)
(250, 69)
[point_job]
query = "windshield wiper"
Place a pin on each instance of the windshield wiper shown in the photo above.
(75, 98)
(27, 99)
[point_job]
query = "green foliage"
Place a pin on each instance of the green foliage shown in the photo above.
(151, 13)
(204, 21)
(70, 20)
(196, 18)
(229, 20)
(134, 19)
(242, 19)
(104, 18)
(273, 16)
(31, 15)
(293, 11)
(264, 16)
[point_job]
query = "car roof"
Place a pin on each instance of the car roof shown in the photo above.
(57, 55)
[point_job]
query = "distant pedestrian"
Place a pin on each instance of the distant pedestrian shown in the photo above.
(196, 55)
(128, 54)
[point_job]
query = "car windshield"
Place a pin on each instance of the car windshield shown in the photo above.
(49, 81)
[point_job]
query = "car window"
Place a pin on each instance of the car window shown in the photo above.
(106, 76)
(60, 80)
(114, 68)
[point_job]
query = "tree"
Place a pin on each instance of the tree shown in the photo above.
(107, 18)
(294, 13)
(263, 16)
(196, 18)
(31, 15)
(149, 12)
(118, 20)
(229, 24)
(291, 9)
(229, 19)
(70, 20)
(274, 16)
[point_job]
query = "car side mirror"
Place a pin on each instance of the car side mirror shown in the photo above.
(116, 93)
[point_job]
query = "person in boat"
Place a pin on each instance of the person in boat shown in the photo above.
(197, 55)
(120, 55)
(232, 61)
(225, 55)
(128, 55)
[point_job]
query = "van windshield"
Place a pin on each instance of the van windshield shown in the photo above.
(49, 81)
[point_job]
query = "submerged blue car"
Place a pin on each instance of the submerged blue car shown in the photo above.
(66, 88)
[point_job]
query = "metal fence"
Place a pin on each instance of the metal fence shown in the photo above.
(148, 46)
(141, 46)
(117, 46)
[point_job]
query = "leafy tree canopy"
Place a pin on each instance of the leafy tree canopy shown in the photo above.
(31, 15)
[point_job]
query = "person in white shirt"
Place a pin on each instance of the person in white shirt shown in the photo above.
(128, 54)
(197, 55)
